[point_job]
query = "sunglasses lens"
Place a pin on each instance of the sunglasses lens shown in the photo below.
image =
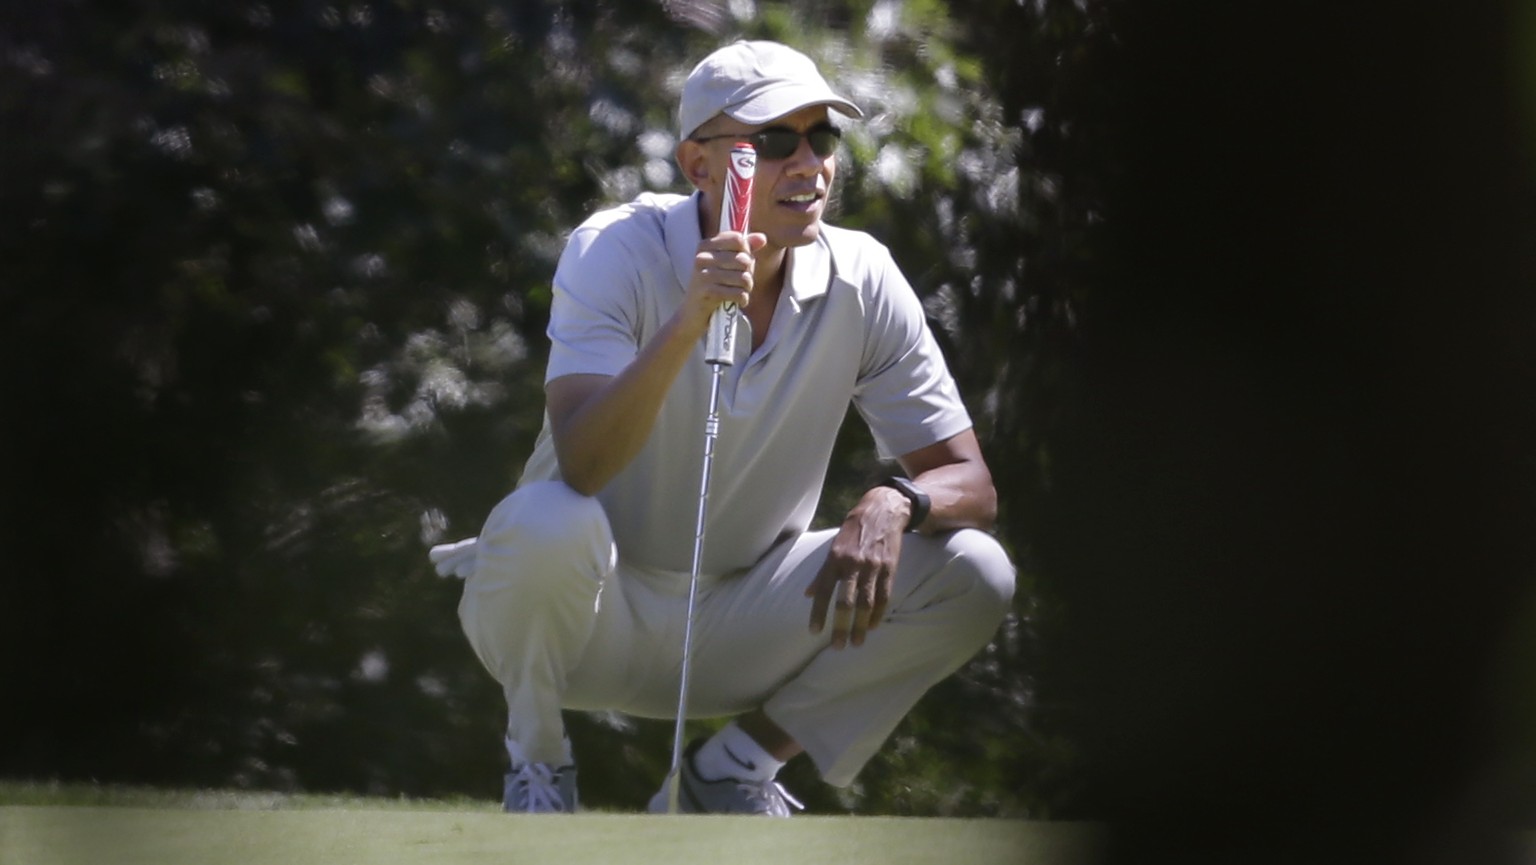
(777, 143)
(823, 141)
(782, 143)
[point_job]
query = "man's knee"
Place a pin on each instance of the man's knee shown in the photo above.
(989, 575)
(530, 604)
(545, 530)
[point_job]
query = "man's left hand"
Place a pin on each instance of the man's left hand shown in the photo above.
(860, 568)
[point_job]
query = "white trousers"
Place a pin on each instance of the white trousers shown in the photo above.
(563, 622)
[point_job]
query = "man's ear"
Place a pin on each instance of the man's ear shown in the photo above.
(693, 161)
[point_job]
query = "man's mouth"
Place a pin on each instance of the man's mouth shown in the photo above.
(801, 201)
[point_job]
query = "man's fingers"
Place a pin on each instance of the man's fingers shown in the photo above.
(877, 614)
(729, 274)
(861, 625)
(842, 623)
(882, 601)
(726, 261)
(730, 246)
(819, 612)
(725, 270)
(873, 595)
(843, 616)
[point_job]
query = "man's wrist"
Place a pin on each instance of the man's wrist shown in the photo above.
(921, 504)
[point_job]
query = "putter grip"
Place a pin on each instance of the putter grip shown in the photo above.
(720, 344)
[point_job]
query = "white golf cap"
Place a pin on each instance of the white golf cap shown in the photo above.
(754, 82)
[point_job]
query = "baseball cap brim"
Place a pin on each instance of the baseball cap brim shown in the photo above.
(784, 99)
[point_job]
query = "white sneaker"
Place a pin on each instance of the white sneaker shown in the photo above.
(538, 788)
(766, 798)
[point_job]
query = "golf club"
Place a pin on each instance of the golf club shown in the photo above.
(719, 353)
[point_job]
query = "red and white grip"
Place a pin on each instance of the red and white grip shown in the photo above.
(720, 345)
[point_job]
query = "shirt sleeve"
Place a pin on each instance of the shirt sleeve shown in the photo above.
(593, 318)
(904, 391)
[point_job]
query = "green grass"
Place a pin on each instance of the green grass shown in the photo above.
(53, 793)
(43, 824)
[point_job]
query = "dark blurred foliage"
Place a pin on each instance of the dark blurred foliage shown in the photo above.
(272, 272)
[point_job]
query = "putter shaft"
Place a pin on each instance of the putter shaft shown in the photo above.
(711, 433)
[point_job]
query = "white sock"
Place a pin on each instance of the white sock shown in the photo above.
(731, 753)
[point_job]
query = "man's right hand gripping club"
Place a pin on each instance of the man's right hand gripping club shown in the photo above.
(722, 273)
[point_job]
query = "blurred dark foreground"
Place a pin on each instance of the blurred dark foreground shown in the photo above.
(1295, 520)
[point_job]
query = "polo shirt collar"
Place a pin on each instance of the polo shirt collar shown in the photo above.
(683, 237)
(810, 266)
(810, 270)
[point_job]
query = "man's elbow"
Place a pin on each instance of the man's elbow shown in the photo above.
(578, 475)
(986, 508)
(583, 486)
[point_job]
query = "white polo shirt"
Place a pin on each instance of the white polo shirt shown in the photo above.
(848, 328)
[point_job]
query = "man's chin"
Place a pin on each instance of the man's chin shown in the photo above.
(804, 236)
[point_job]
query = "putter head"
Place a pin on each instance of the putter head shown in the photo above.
(667, 799)
(674, 791)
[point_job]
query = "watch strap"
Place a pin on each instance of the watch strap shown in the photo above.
(921, 504)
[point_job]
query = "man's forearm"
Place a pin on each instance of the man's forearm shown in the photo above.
(954, 476)
(961, 496)
(600, 425)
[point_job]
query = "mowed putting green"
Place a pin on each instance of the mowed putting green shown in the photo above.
(356, 834)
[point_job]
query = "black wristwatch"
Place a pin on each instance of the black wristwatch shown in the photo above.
(919, 499)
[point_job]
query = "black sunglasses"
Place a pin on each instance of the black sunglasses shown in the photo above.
(781, 142)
